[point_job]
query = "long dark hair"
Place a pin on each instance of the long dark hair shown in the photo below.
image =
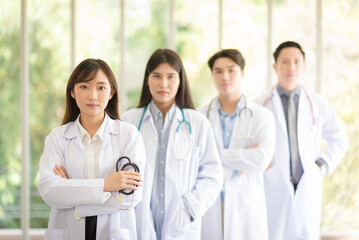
(85, 72)
(183, 97)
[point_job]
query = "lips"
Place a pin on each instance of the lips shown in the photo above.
(92, 105)
(162, 92)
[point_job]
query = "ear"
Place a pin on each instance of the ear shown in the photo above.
(275, 67)
(242, 73)
(112, 93)
(73, 94)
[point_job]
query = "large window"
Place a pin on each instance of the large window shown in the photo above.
(10, 142)
(49, 66)
(126, 33)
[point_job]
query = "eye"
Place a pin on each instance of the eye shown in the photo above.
(102, 88)
(155, 75)
(83, 87)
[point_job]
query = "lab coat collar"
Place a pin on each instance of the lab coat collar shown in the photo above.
(99, 132)
(73, 131)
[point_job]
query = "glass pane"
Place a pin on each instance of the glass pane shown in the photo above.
(10, 142)
(295, 20)
(145, 31)
(196, 39)
(340, 83)
(245, 29)
(97, 31)
(49, 56)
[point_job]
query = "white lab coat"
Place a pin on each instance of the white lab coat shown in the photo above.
(63, 146)
(244, 202)
(296, 215)
(198, 178)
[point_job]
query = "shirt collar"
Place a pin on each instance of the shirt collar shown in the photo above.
(240, 105)
(157, 114)
(100, 131)
(282, 91)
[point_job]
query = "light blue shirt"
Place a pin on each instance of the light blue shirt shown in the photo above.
(227, 125)
(158, 189)
(228, 121)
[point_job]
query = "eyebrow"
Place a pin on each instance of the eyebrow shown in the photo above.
(173, 73)
(219, 68)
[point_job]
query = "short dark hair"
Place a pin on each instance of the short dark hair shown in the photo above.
(235, 55)
(183, 96)
(287, 44)
(85, 72)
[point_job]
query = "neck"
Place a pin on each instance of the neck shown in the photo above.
(288, 87)
(91, 123)
(229, 103)
(164, 107)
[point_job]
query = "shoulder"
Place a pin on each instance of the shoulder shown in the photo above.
(132, 116)
(116, 126)
(196, 118)
(261, 98)
(131, 113)
(317, 99)
(259, 109)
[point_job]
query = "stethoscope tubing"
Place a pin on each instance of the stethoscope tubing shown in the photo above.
(132, 165)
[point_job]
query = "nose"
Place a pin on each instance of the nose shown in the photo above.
(225, 75)
(93, 94)
(163, 82)
(292, 65)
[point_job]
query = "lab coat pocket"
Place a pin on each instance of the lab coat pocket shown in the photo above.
(117, 233)
(56, 234)
(180, 221)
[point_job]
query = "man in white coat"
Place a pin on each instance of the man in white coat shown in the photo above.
(293, 182)
(245, 137)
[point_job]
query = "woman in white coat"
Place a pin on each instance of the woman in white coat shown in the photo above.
(183, 171)
(294, 203)
(78, 177)
(245, 136)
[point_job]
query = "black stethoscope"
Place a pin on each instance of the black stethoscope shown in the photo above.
(129, 166)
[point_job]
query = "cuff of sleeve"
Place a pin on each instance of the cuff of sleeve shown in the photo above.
(189, 209)
(323, 162)
(77, 215)
(106, 196)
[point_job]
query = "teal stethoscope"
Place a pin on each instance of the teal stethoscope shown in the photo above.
(183, 137)
(245, 119)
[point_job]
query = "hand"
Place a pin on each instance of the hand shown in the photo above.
(122, 180)
(269, 166)
(255, 145)
(60, 171)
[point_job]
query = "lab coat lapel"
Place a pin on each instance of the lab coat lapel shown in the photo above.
(171, 140)
(216, 124)
(74, 164)
(278, 108)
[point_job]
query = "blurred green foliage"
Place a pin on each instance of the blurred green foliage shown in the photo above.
(49, 58)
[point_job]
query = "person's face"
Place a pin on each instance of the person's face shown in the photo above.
(289, 67)
(163, 82)
(92, 97)
(227, 76)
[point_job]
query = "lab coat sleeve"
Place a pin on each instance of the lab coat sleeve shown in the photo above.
(135, 150)
(253, 159)
(64, 193)
(336, 140)
(210, 175)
